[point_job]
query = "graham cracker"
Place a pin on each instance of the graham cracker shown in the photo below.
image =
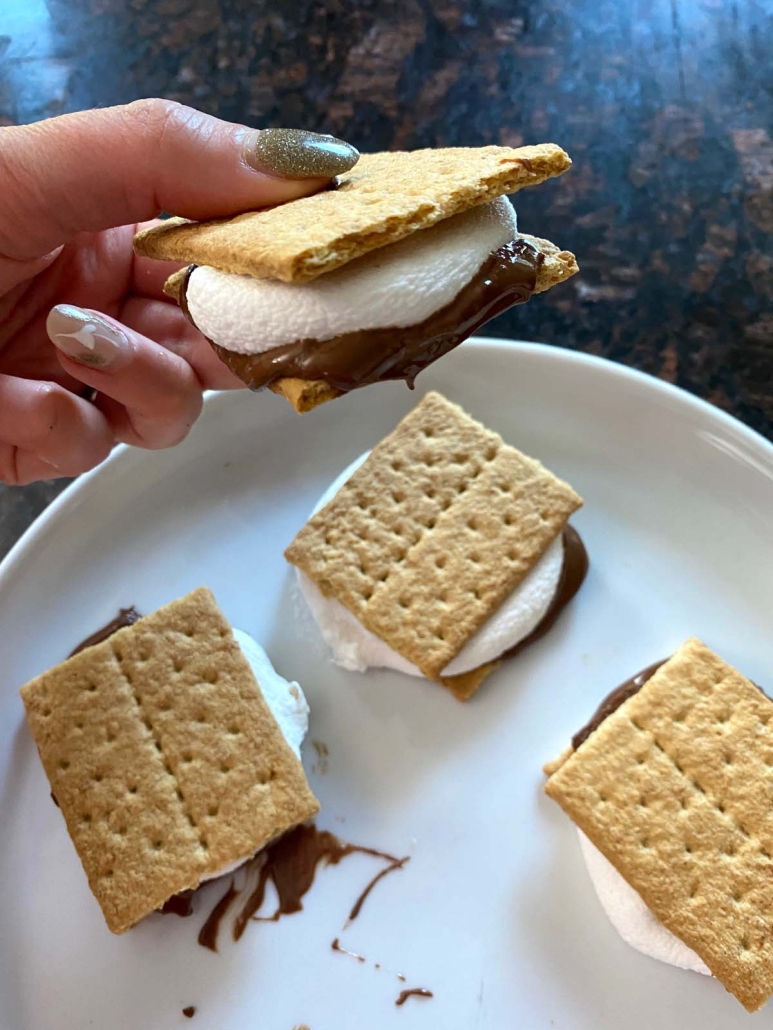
(164, 757)
(433, 532)
(384, 198)
(674, 788)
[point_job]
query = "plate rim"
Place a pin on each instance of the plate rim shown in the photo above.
(626, 373)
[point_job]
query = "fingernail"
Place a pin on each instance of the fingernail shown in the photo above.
(297, 154)
(84, 337)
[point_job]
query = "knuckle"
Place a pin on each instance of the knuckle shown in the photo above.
(51, 408)
(9, 466)
(156, 118)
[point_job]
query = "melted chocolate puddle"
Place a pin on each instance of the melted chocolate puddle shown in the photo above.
(125, 617)
(291, 864)
(413, 992)
(506, 278)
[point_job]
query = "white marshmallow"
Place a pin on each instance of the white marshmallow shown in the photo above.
(288, 706)
(397, 285)
(631, 917)
(355, 648)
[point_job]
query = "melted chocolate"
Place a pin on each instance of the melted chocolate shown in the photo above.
(613, 701)
(179, 904)
(357, 906)
(573, 573)
(336, 946)
(291, 863)
(506, 278)
(125, 617)
(413, 992)
(189, 1011)
(209, 931)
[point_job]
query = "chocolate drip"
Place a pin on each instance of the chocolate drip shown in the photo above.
(125, 617)
(291, 864)
(413, 992)
(506, 278)
(573, 573)
(210, 930)
(612, 701)
(357, 906)
(336, 946)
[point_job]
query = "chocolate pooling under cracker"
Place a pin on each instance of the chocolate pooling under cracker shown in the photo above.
(125, 617)
(355, 359)
(617, 697)
(613, 701)
(573, 573)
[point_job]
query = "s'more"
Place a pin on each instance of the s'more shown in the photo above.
(441, 552)
(670, 786)
(172, 762)
(375, 278)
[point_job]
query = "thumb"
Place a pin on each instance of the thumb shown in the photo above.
(92, 170)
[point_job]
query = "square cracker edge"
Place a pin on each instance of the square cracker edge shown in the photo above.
(384, 198)
(164, 757)
(674, 789)
(434, 530)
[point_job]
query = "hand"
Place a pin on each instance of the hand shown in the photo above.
(72, 192)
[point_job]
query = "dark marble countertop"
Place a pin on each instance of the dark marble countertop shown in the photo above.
(664, 105)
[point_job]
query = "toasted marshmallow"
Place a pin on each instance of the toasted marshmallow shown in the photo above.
(631, 917)
(401, 284)
(288, 706)
(355, 648)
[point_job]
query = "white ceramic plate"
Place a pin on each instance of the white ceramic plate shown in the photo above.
(494, 913)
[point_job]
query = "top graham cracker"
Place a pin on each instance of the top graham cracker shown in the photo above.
(433, 532)
(164, 757)
(675, 789)
(384, 198)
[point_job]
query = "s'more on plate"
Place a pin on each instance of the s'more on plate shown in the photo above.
(671, 787)
(172, 762)
(441, 552)
(373, 279)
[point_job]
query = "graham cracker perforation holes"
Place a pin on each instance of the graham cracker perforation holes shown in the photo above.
(147, 722)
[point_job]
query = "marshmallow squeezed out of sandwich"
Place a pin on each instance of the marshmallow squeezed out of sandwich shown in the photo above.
(398, 285)
(355, 648)
(288, 706)
(630, 916)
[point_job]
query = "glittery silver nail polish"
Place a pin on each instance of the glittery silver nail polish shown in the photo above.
(297, 154)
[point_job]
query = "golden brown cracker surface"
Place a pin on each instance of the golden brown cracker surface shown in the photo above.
(675, 789)
(164, 757)
(433, 532)
(384, 198)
